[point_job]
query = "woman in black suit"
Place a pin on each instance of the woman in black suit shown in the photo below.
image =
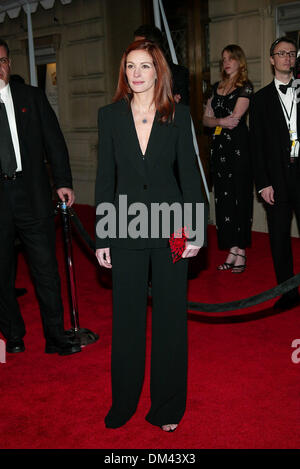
(143, 136)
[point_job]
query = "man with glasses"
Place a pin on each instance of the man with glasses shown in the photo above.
(275, 133)
(29, 132)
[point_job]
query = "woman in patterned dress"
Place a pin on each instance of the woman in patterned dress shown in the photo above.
(231, 167)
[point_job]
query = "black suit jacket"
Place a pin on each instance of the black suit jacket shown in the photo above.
(270, 141)
(40, 139)
(168, 173)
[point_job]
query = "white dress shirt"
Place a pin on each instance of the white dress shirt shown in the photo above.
(6, 98)
(288, 99)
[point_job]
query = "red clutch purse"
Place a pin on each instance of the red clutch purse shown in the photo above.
(178, 243)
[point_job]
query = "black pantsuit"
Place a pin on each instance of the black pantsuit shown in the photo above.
(166, 173)
(169, 334)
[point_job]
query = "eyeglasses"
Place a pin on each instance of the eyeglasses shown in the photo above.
(4, 60)
(284, 53)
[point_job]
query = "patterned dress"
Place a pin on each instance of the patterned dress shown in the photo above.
(232, 173)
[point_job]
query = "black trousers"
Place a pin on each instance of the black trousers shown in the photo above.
(38, 238)
(279, 218)
(169, 335)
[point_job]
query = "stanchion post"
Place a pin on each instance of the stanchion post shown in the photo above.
(85, 335)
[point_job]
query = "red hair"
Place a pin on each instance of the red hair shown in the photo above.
(163, 97)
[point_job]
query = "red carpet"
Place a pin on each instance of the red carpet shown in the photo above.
(243, 388)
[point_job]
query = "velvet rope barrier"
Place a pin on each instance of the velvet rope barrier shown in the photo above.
(86, 336)
(284, 287)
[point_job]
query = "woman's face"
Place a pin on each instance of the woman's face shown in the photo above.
(140, 71)
(230, 65)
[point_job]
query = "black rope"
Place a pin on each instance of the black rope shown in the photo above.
(284, 287)
(81, 230)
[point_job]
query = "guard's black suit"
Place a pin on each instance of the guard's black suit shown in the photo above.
(26, 208)
(270, 142)
(180, 79)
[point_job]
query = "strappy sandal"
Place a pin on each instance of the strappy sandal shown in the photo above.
(227, 265)
(239, 269)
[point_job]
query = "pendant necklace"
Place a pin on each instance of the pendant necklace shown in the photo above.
(144, 120)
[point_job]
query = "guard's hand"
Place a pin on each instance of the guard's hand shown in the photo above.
(66, 195)
(190, 251)
(103, 257)
(268, 195)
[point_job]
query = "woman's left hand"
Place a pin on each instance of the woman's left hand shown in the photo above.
(190, 251)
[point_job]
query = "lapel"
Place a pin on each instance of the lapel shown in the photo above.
(21, 107)
(277, 113)
(129, 139)
(159, 137)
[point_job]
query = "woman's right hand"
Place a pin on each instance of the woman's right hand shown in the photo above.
(229, 122)
(103, 257)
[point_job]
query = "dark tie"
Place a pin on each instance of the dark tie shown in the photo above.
(283, 88)
(7, 153)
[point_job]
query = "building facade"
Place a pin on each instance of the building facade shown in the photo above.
(84, 40)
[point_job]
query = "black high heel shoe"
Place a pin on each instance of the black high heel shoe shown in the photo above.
(227, 265)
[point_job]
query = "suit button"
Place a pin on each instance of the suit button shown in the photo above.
(145, 187)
